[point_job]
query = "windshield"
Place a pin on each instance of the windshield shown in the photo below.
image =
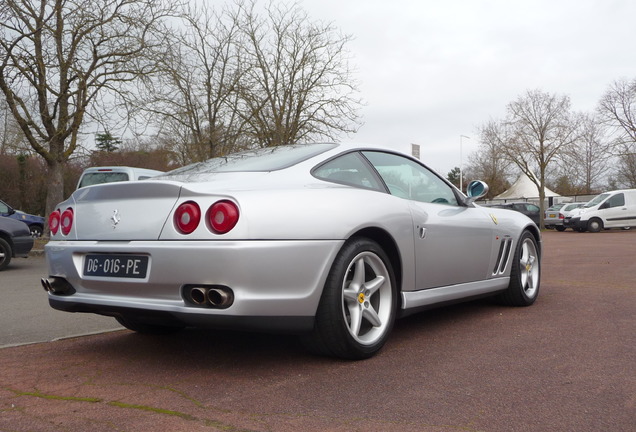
(596, 200)
(260, 160)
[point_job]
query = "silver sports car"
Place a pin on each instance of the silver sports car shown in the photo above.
(329, 241)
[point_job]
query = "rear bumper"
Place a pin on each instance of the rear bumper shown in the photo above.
(276, 284)
(553, 222)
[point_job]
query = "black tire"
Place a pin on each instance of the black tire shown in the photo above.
(144, 328)
(525, 276)
(560, 228)
(595, 225)
(5, 254)
(36, 231)
(358, 304)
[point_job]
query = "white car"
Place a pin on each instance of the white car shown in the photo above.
(566, 212)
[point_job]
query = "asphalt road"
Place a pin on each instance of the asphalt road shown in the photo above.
(568, 363)
(25, 314)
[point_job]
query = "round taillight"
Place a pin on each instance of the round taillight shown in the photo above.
(187, 217)
(54, 221)
(66, 221)
(223, 216)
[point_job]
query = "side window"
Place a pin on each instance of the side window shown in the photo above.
(519, 207)
(408, 179)
(349, 169)
(617, 200)
(533, 208)
(4, 209)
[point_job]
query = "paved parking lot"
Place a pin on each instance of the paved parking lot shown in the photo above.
(568, 363)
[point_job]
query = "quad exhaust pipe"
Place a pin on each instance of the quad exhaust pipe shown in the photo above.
(57, 285)
(217, 297)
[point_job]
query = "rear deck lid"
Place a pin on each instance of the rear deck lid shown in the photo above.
(122, 211)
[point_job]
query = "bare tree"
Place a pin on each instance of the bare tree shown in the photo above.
(487, 164)
(588, 163)
(193, 99)
(617, 109)
(11, 137)
(59, 56)
(298, 84)
(538, 129)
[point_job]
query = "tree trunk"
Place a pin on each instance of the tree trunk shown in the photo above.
(55, 188)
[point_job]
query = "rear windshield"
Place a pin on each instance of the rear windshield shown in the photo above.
(265, 159)
(94, 178)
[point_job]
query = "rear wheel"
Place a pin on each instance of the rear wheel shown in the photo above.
(5, 254)
(560, 228)
(525, 275)
(358, 304)
(595, 225)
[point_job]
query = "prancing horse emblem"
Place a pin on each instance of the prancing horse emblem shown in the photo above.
(115, 218)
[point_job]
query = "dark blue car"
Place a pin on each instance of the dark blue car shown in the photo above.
(15, 241)
(35, 223)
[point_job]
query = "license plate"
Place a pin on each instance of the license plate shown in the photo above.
(552, 215)
(119, 266)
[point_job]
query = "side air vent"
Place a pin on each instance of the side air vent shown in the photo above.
(503, 257)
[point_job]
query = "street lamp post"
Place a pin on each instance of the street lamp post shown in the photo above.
(461, 162)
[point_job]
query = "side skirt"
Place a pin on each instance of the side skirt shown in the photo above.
(413, 301)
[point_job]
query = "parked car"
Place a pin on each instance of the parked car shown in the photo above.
(15, 241)
(110, 174)
(566, 212)
(329, 241)
(35, 223)
(531, 210)
(551, 216)
(614, 209)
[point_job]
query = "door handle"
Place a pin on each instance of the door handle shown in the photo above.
(422, 232)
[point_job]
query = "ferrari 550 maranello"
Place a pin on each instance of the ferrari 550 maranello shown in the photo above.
(330, 241)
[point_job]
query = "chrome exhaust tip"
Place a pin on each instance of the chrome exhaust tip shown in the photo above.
(57, 285)
(45, 284)
(198, 295)
(220, 298)
(212, 296)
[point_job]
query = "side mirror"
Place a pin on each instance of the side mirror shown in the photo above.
(475, 190)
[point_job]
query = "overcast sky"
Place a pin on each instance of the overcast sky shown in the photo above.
(432, 70)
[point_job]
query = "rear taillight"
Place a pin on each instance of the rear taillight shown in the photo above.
(187, 217)
(54, 221)
(66, 221)
(222, 216)
(561, 216)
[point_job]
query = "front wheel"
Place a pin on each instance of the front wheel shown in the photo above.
(595, 225)
(358, 304)
(525, 276)
(36, 231)
(5, 254)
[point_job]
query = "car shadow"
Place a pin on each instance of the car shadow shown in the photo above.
(238, 349)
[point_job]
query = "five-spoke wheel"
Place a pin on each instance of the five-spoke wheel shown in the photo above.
(358, 305)
(525, 275)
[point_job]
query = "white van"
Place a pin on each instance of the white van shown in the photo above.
(109, 174)
(615, 209)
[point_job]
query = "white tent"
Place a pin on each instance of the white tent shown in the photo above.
(523, 188)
